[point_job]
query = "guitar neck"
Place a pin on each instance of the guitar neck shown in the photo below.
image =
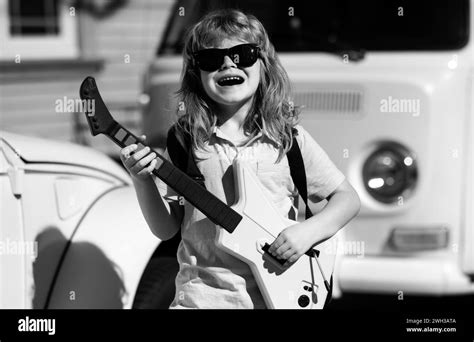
(216, 210)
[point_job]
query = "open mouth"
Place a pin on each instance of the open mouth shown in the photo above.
(230, 81)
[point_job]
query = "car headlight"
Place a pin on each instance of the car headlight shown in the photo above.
(390, 172)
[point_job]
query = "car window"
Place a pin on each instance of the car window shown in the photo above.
(332, 25)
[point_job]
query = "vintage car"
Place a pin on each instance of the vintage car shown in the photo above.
(71, 231)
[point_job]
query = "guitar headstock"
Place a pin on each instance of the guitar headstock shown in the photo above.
(99, 118)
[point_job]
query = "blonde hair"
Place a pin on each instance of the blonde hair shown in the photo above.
(271, 109)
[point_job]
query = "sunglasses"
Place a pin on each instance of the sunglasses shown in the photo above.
(243, 55)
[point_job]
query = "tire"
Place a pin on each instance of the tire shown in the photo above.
(156, 289)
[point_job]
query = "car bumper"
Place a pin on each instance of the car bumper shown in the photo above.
(411, 276)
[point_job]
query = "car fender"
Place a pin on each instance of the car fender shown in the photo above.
(106, 256)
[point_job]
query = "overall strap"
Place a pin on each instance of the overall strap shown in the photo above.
(179, 146)
(298, 173)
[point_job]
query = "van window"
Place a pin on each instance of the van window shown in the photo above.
(336, 25)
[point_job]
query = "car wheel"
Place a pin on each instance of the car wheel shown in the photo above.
(156, 289)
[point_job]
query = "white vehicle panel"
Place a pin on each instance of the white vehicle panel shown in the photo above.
(107, 255)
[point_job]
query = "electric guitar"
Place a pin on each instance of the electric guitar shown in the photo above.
(248, 227)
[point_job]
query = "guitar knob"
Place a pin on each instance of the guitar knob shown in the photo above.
(303, 301)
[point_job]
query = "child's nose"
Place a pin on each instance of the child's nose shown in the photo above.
(228, 62)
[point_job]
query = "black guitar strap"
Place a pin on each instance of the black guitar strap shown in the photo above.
(179, 148)
(298, 173)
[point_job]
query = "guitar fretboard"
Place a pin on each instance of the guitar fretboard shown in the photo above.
(216, 210)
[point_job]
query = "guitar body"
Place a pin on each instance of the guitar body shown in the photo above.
(295, 287)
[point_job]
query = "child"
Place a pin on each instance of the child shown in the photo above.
(236, 92)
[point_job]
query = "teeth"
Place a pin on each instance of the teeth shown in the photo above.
(230, 78)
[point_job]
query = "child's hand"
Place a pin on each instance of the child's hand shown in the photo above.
(292, 243)
(139, 164)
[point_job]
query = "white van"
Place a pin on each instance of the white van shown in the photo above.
(388, 91)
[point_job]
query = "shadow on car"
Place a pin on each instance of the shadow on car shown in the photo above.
(74, 275)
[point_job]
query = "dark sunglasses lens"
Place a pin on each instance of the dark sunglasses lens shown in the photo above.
(242, 55)
(210, 59)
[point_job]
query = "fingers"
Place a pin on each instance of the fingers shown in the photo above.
(126, 151)
(276, 244)
(282, 250)
(141, 160)
(139, 163)
(287, 254)
(148, 170)
(152, 166)
(141, 138)
(135, 157)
